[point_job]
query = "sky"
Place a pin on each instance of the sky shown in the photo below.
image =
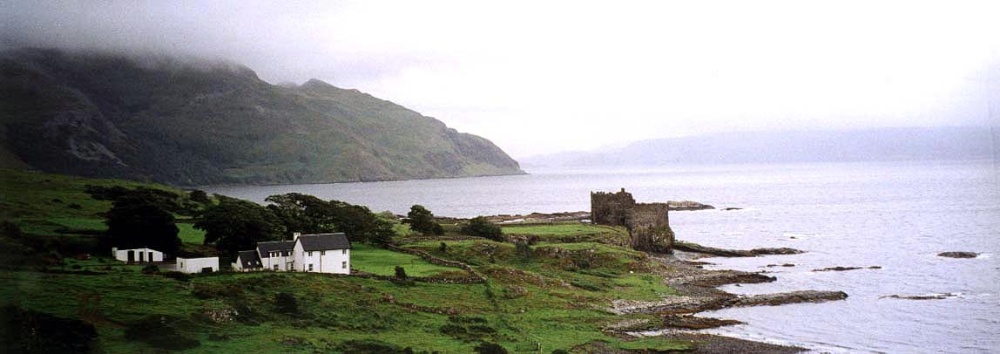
(544, 77)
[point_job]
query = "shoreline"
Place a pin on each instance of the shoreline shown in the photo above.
(697, 292)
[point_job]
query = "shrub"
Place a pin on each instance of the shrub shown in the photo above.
(482, 227)
(150, 269)
(286, 303)
(158, 331)
(27, 331)
(370, 346)
(422, 220)
(489, 348)
(400, 273)
(176, 276)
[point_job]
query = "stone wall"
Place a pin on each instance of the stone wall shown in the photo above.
(610, 208)
(649, 228)
(648, 224)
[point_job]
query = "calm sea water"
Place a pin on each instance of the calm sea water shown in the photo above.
(897, 216)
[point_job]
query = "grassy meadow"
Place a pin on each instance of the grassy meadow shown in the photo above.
(549, 296)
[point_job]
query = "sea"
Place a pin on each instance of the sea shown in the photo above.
(891, 219)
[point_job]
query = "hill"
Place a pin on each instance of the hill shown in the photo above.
(886, 144)
(193, 122)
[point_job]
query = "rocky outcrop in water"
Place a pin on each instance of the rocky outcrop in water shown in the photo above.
(954, 254)
(722, 252)
(841, 269)
(921, 297)
(687, 205)
(793, 297)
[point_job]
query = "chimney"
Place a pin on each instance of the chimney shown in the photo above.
(295, 235)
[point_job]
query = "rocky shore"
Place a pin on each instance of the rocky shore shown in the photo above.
(698, 292)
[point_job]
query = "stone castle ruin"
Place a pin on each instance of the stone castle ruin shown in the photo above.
(648, 224)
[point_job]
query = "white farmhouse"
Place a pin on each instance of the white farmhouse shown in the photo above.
(276, 255)
(198, 265)
(322, 253)
(137, 255)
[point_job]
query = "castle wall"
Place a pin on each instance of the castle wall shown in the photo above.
(649, 228)
(610, 208)
(648, 224)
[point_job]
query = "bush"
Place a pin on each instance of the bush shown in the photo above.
(150, 269)
(422, 220)
(158, 331)
(482, 227)
(489, 348)
(400, 273)
(370, 346)
(286, 303)
(27, 331)
(176, 276)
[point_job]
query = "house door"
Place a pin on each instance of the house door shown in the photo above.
(150, 256)
(131, 256)
(142, 257)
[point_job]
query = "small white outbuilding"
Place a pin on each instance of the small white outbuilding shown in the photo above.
(137, 255)
(198, 265)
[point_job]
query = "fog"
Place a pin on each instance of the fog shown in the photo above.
(559, 76)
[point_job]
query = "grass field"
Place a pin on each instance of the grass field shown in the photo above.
(383, 262)
(540, 298)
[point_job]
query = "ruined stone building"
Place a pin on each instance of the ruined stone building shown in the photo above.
(648, 224)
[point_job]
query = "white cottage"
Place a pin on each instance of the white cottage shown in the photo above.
(276, 255)
(137, 255)
(322, 253)
(198, 265)
(247, 261)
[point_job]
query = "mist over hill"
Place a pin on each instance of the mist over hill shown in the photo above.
(193, 122)
(884, 144)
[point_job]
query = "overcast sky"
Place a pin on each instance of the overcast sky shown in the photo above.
(539, 77)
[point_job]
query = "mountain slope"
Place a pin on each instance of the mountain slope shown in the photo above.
(194, 123)
(884, 144)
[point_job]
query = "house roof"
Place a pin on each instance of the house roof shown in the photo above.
(322, 242)
(266, 247)
(249, 259)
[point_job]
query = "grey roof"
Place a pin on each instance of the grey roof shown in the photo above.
(249, 259)
(266, 247)
(322, 242)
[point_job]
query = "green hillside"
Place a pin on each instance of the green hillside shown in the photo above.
(547, 297)
(187, 122)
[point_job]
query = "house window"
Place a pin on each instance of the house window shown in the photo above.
(343, 264)
(343, 251)
(322, 253)
(310, 267)
(275, 267)
(310, 253)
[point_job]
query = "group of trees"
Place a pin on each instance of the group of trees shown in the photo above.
(144, 217)
(235, 225)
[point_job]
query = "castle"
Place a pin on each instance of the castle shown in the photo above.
(648, 224)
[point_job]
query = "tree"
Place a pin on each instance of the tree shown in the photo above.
(422, 220)
(199, 196)
(303, 213)
(235, 225)
(483, 227)
(137, 221)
